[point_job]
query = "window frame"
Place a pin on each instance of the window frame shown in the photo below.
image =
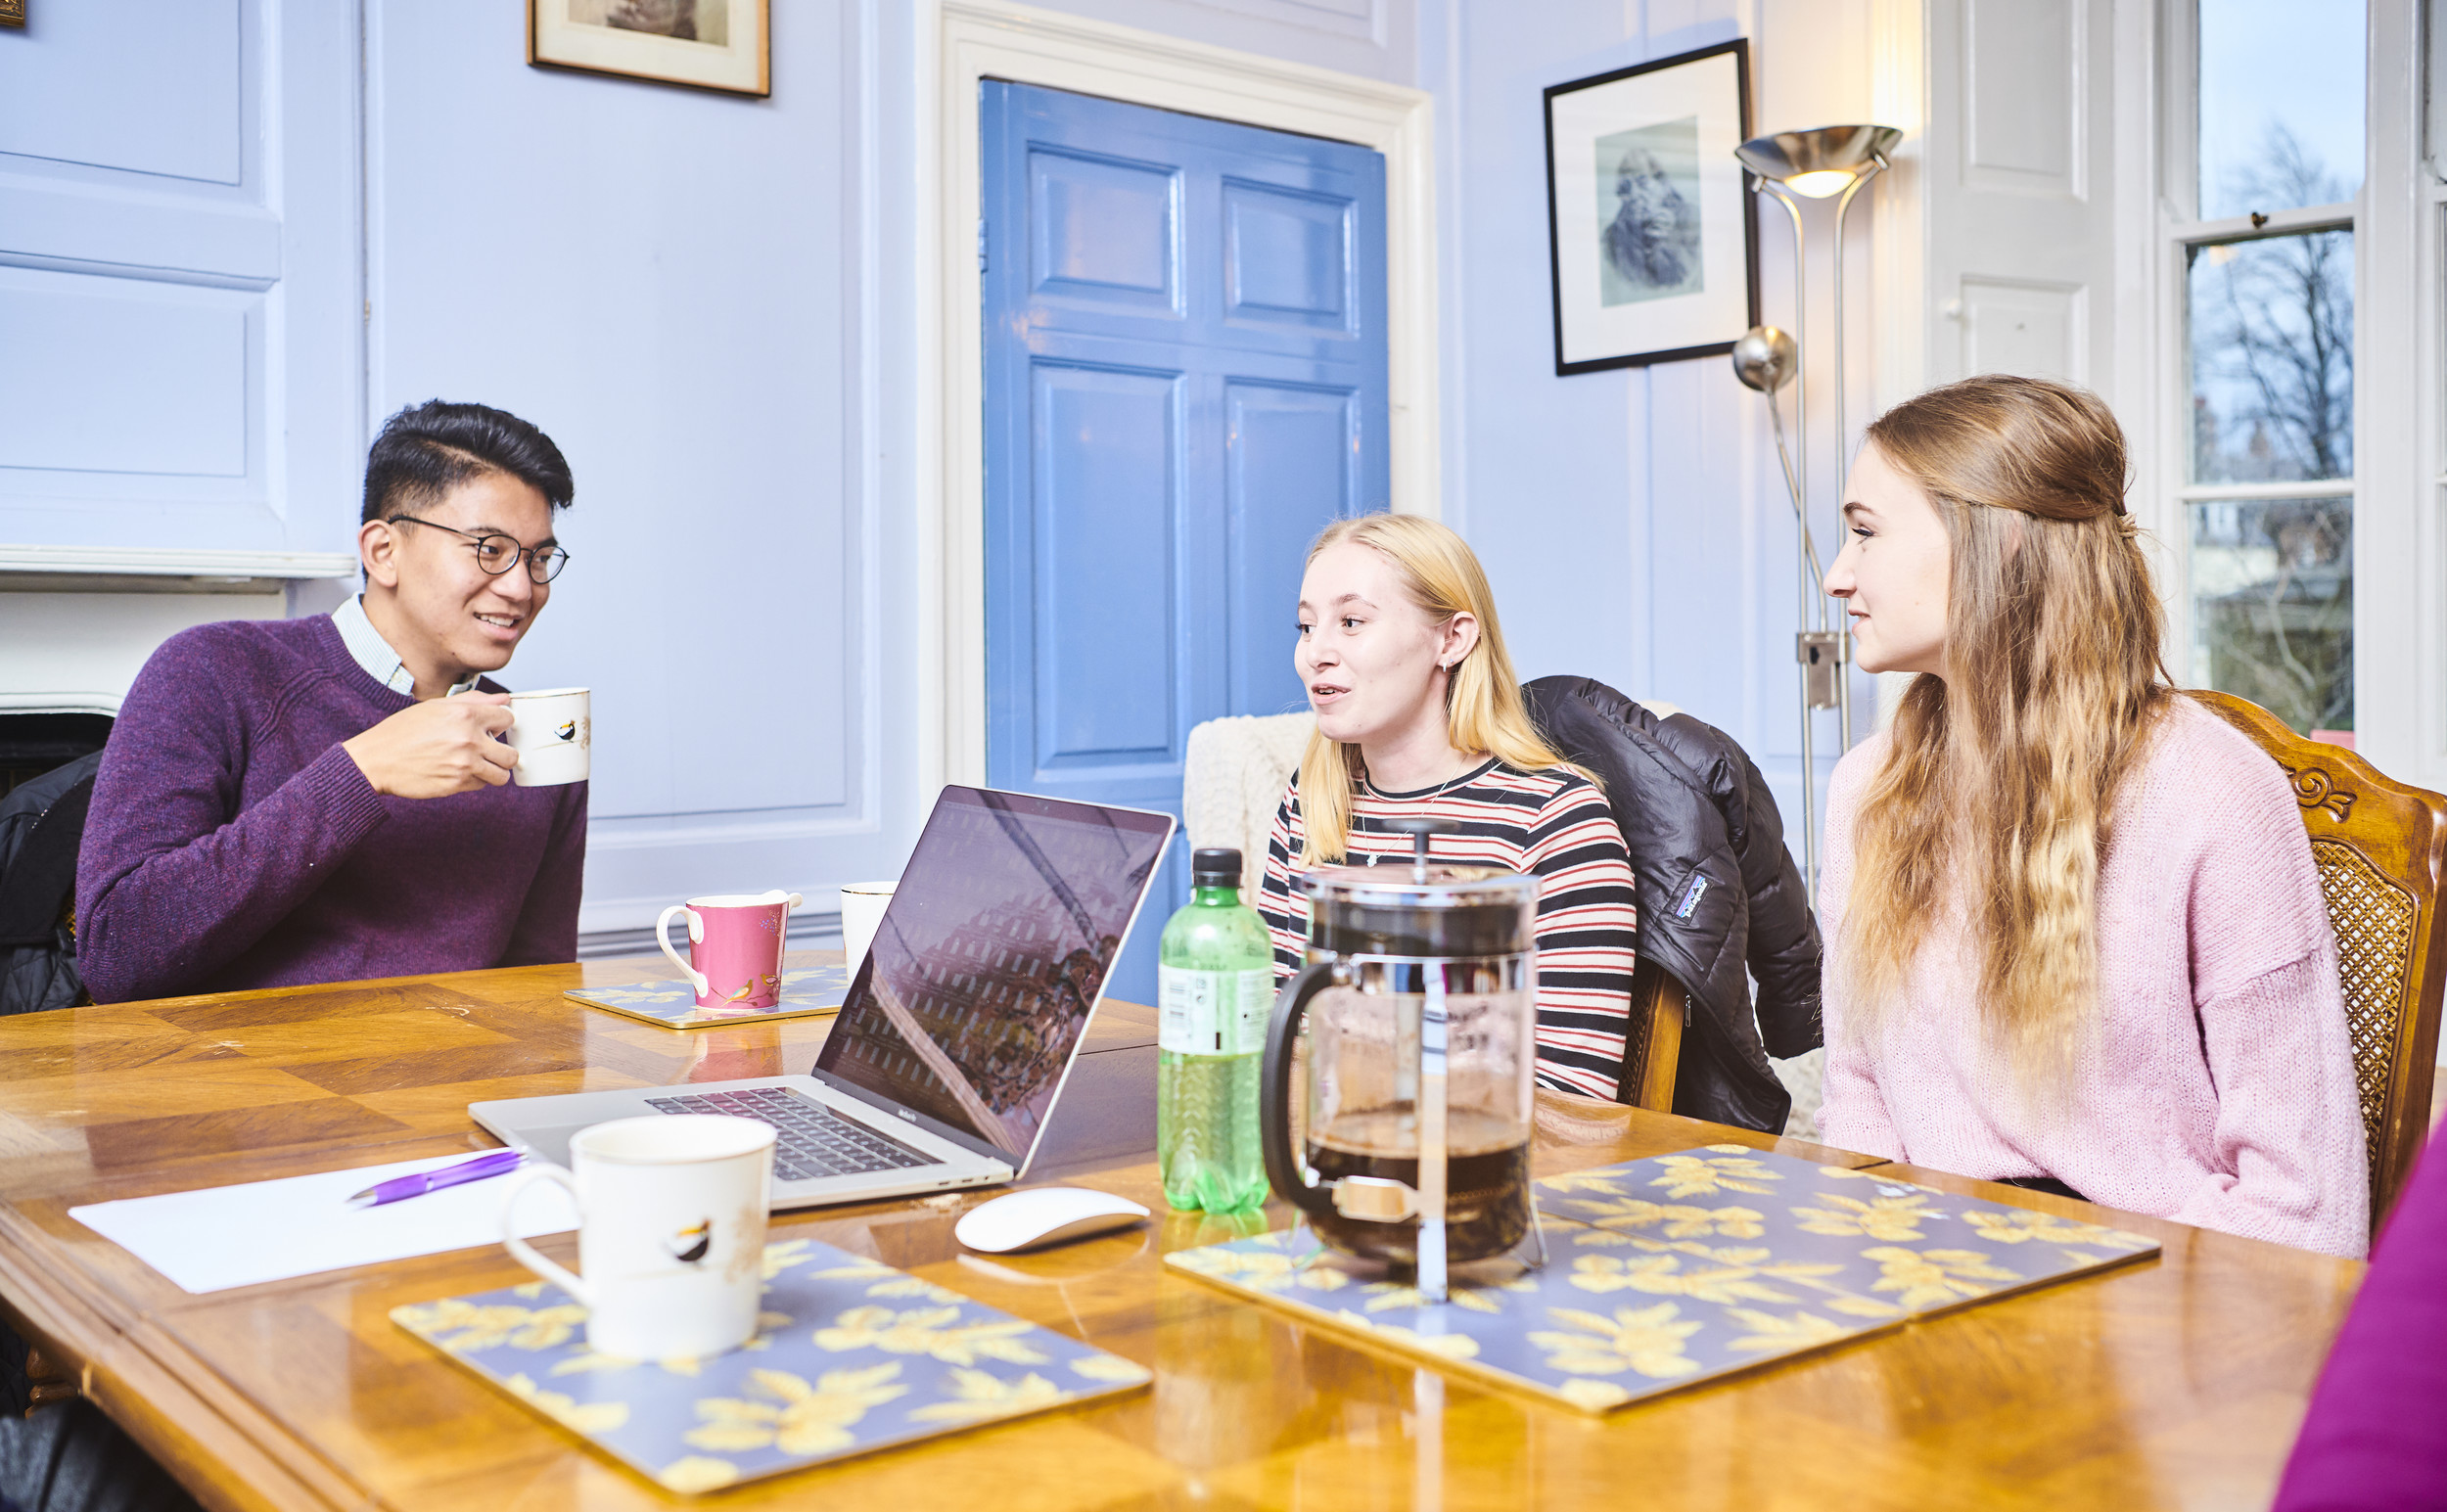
(2178, 230)
(2399, 489)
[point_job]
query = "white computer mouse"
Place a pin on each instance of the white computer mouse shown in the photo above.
(1043, 1214)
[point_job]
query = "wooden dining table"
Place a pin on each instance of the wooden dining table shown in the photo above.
(2175, 1381)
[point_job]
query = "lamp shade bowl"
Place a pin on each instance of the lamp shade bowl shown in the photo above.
(1820, 162)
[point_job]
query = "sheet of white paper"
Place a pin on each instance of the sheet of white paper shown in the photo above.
(225, 1236)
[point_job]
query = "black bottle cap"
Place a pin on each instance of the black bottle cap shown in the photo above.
(1215, 866)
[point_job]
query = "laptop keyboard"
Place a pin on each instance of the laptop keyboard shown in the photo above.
(811, 1140)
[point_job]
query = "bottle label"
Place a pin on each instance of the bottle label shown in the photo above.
(1213, 1012)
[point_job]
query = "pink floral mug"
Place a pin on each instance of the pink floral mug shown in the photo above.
(736, 945)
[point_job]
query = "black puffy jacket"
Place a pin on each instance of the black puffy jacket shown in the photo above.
(1721, 902)
(41, 822)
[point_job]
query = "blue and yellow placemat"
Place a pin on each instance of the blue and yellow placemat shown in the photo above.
(1668, 1272)
(806, 990)
(851, 1355)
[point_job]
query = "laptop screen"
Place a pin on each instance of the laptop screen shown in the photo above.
(990, 959)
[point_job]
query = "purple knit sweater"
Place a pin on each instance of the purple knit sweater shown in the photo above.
(2376, 1440)
(233, 844)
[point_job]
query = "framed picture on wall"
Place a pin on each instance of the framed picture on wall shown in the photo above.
(712, 44)
(1650, 231)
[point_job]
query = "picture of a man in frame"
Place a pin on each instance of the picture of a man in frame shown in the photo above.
(685, 21)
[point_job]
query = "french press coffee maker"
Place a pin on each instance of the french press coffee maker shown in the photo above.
(1422, 1011)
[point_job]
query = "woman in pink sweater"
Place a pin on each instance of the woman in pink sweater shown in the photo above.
(2075, 938)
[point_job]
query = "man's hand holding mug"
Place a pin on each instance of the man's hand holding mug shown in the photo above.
(478, 740)
(437, 748)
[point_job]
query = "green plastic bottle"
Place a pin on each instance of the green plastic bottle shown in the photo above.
(1214, 990)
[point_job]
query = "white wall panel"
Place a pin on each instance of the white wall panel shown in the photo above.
(667, 282)
(166, 236)
(1634, 522)
(179, 270)
(148, 86)
(110, 375)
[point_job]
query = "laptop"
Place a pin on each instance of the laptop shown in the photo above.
(946, 1062)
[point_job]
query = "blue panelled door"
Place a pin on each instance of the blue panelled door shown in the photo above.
(1184, 380)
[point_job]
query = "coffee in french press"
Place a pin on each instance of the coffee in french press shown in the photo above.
(1419, 1002)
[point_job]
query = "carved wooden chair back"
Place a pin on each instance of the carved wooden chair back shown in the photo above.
(1652, 1048)
(2381, 849)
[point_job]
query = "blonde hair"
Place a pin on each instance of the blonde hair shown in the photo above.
(1483, 706)
(1996, 790)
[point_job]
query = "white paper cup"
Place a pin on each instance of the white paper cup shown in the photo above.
(862, 905)
(552, 733)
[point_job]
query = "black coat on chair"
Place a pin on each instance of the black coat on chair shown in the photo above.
(1721, 902)
(42, 825)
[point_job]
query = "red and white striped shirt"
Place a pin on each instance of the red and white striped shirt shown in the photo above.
(1554, 825)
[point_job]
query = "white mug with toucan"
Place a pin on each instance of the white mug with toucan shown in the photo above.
(670, 1236)
(552, 732)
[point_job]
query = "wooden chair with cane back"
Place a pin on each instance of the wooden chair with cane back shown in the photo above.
(2381, 849)
(1652, 1048)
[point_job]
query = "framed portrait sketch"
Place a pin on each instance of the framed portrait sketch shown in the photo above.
(712, 44)
(1648, 224)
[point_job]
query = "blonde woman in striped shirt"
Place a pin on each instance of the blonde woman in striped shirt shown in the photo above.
(1419, 715)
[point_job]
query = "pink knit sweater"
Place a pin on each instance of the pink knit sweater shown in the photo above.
(2218, 1085)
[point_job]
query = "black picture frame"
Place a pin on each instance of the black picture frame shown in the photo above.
(1585, 343)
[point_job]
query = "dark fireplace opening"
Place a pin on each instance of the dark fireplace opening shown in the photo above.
(32, 744)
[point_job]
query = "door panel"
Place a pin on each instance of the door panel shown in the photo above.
(1105, 230)
(1185, 382)
(1289, 255)
(1291, 464)
(1104, 505)
(2021, 226)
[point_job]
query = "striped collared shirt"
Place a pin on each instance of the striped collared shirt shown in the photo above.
(373, 653)
(1554, 825)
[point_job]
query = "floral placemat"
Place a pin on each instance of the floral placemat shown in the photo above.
(851, 1355)
(1671, 1270)
(806, 990)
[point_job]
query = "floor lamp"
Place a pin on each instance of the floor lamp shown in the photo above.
(1809, 164)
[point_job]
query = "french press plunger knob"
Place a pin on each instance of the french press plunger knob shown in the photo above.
(1421, 831)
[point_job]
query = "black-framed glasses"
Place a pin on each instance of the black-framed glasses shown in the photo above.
(497, 554)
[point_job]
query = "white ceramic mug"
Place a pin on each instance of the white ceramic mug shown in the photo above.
(862, 905)
(552, 732)
(671, 1232)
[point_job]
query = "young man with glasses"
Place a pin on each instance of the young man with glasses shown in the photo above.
(329, 799)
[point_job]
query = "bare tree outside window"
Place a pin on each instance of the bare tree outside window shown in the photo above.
(2273, 363)
(2272, 369)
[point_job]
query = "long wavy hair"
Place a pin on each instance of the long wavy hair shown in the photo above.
(1484, 712)
(1996, 791)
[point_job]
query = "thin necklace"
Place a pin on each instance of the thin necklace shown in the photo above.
(1431, 797)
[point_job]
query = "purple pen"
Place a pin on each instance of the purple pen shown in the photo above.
(496, 1163)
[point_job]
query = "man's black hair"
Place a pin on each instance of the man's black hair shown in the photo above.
(427, 449)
